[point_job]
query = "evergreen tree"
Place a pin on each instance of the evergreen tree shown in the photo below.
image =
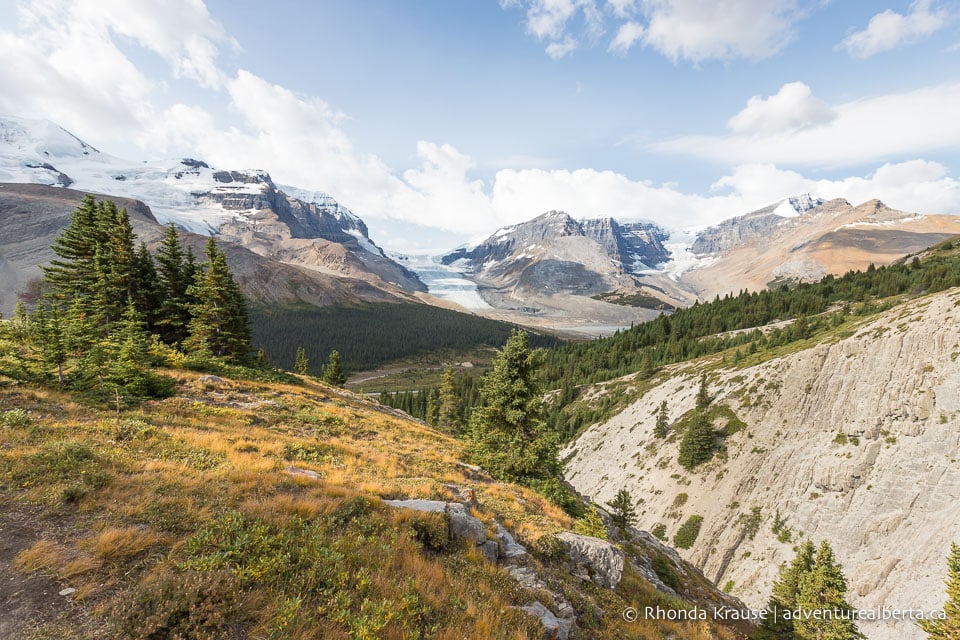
(127, 371)
(447, 415)
(510, 437)
(219, 321)
(302, 365)
(72, 272)
(175, 274)
(591, 524)
(52, 338)
(703, 394)
(662, 428)
(333, 373)
(624, 515)
(948, 628)
(114, 261)
(262, 360)
(697, 444)
(824, 588)
(147, 295)
(778, 625)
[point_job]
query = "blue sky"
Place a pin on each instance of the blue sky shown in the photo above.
(458, 116)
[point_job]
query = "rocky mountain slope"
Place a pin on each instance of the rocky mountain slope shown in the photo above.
(851, 437)
(33, 214)
(246, 207)
(803, 239)
(555, 270)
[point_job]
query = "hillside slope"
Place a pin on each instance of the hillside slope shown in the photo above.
(850, 437)
(250, 509)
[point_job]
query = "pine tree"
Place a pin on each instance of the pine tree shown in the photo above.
(662, 428)
(778, 625)
(591, 524)
(52, 338)
(824, 588)
(333, 373)
(114, 261)
(510, 437)
(219, 322)
(127, 371)
(949, 627)
(175, 275)
(147, 295)
(703, 394)
(624, 515)
(302, 365)
(447, 415)
(697, 444)
(72, 273)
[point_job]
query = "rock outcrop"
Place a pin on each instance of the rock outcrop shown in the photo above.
(594, 559)
(853, 440)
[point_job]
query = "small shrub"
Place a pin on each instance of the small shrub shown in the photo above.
(132, 429)
(73, 494)
(687, 534)
(350, 510)
(591, 524)
(194, 604)
(659, 531)
(840, 438)
(680, 500)
(431, 530)
(728, 586)
(550, 548)
(662, 567)
(15, 419)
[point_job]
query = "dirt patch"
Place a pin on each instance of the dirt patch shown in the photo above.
(27, 601)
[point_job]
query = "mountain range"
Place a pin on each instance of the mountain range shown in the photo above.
(580, 277)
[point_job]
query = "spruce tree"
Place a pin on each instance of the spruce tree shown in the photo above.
(949, 627)
(447, 416)
(697, 444)
(219, 322)
(72, 272)
(128, 369)
(662, 428)
(114, 261)
(509, 434)
(52, 338)
(175, 276)
(703, 394)
(333, 373)
(302, 365)
(778, 624)
(623, 513)
(824, 588)
(147, 295)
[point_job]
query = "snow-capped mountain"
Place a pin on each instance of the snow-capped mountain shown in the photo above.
(739, 229)
(292, 225)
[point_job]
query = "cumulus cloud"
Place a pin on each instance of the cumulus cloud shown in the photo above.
(858, 132)
(693, 30)
(699, 30)
(627, 35)
(889, 29)
(790, 109)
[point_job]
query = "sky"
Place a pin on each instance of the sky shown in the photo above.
(438, 121)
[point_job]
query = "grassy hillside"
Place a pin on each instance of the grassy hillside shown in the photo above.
(241, 509)
(368, 336)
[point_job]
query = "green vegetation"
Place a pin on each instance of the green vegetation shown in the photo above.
(813, 581)
(703, 329)
(699, 441)
(333, 372)
(635, 300)
(622, 510)
(949, 627)
(509, 436)
(662, 427)
(591, 524)
(661, 566)
(659, 531)
(369, 335)
(687, 534)
(108, 313)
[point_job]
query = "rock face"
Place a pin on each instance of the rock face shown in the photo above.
(854, 441)
(735, 231)
(602, 562)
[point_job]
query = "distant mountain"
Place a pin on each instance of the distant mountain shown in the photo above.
(560, 272)
(802, 239)
(291, 225)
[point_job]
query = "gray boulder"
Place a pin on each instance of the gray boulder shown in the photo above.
(554, 628)
(593, 557)
(463, 526)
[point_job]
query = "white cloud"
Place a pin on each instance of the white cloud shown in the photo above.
(790, 109)
(627, 35)
(889, 29)
(694, 30)
(698, 30)
(862, 132)
(562, 48)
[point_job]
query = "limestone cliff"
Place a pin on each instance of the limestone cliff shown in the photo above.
(854, 440)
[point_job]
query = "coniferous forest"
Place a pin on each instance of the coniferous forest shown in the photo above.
(110, 311)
